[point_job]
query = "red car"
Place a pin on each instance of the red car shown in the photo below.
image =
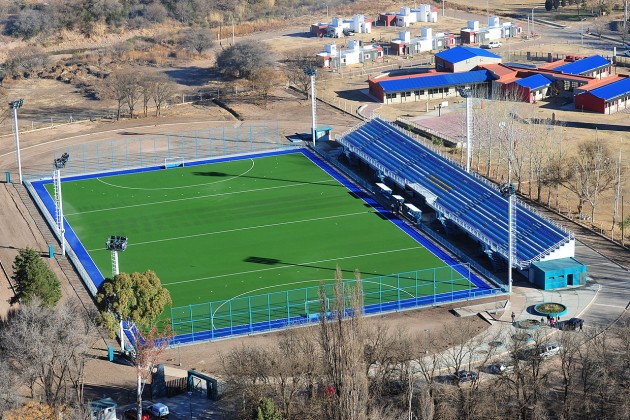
(132, 414)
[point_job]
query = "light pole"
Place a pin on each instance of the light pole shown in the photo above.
(582, 31)
(15, 105)
(190, 403)
(467, 93)
(326, 9)
(312, 72)
(58, 165)
(533, 31)
(507, 190)
(116, 244)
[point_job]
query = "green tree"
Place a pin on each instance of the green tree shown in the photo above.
(136, 297)
(548, 5)
(266, 410)
(33, 278)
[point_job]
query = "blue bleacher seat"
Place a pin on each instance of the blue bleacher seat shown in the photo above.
(463, 198)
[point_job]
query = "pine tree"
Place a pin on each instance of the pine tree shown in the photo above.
(33, 278)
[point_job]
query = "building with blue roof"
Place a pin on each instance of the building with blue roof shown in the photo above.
(593, 66)
(460, 59)
(606, 99)
(428, 86)
(528, 89)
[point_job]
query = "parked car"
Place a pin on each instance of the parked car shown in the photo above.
(499, 368)
(132, 414)
(548, 350)
(494, 44)
(159, 410)
(465, 376)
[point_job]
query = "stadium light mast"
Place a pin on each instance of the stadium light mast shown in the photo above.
(312, 72)
(15, 105)
(58, 165)
(507, 190)
(117, 244)
(467, 94)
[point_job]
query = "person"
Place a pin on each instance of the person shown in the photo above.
(513, 317)
(551, 322)
(542, 320)
(581, 324)
(548, 319)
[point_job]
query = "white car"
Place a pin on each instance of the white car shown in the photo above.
(494, 44)
(548, 350)
(159, 410)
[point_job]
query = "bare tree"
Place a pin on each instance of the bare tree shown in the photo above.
(243, 58)
(197, 40)
(294, 69)
(592, 172)
(342, 339)
(47, 349)
(265, 79)
(149, 350)
(162, 91)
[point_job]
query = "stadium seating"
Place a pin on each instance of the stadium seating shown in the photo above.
(472, 203)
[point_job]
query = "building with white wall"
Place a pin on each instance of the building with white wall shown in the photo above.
(356, 53)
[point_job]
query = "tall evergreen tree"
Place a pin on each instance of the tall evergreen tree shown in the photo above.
(33, 278)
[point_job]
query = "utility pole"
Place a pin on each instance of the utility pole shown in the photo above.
(443, 1)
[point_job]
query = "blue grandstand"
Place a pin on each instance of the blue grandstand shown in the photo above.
(467, 200)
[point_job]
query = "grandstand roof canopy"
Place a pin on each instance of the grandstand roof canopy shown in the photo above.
(584, 65)
(612, 90)
(457, 54)
(534, 82)
(438, 80)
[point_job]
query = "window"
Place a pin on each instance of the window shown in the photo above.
(416, 92)
(407, 93)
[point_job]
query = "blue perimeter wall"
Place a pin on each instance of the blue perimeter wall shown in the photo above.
(97, 278)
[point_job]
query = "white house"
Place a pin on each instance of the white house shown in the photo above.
(332, 58)
(407, 16)
(358, 24)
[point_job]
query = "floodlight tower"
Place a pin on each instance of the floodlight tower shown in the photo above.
(116, 244)
(58, 165)
(14, 106)
(507, 190)
(467, 94)
(312, 72)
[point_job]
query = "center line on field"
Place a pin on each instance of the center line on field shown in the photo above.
(199, 197)
(292, 265)
(243, 228)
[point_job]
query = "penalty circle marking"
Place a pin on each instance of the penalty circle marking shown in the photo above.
(183, 186)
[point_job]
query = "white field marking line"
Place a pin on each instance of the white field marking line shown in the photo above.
(609, 306)
(196, 235)
(199, 197)
(291, 284)
(290, 266)
(183, 186)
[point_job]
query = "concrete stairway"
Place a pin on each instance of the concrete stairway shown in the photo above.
(74, 280)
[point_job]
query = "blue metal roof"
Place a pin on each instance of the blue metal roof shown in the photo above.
(448, 79)
(584, 65)
(534, 82)
(457, 54)
(612, 90)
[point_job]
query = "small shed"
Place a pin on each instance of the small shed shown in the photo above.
(555, 274)
(323, 132)
(104, 409)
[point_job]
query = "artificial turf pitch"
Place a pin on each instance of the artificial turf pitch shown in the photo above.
(245, 227)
